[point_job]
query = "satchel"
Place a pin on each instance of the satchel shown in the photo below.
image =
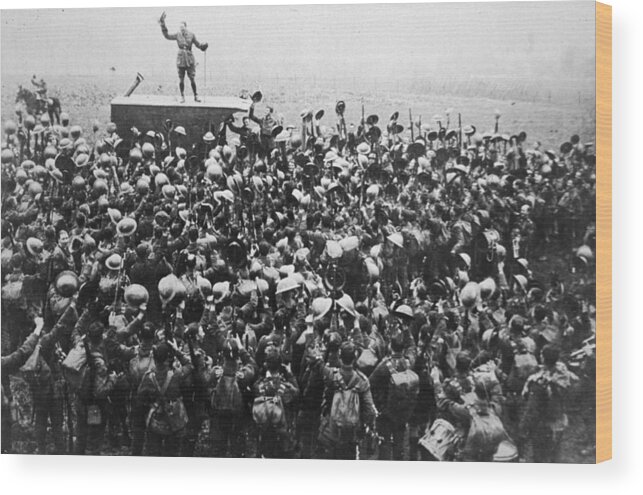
(157, 422)
(74, 367)
(36, 371)
(177, 415)
(94, 415)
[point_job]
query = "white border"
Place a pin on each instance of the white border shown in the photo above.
(146, 476)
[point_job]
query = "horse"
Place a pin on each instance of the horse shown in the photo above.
(37, 107)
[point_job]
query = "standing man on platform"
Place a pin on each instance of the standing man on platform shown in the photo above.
(184, 59)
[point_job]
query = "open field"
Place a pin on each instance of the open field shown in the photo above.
(545, 115)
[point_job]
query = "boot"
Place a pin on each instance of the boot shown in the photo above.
(197, 99)
(182, 100)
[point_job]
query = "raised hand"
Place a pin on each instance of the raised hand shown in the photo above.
(172, 343)
(39, 324)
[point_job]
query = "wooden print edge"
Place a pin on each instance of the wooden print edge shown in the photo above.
(604, 232)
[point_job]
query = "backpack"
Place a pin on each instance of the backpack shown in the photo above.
(269, 411)
(36, 371)
(485, 434)
(486, 374)
(402, 393)
(344, 416)
(367, 361)
(139, 366)
(166, 416)
(525, 365)
(226, 397)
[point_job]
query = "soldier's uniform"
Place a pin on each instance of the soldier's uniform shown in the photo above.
(184, 58)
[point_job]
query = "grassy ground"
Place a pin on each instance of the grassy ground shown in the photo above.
(523, 107)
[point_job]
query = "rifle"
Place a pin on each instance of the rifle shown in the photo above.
(50, 267)
(411, 122)
(233, 331)
(460, 130)
(60, 354)
(284, 157)
(304, 134)
(118, 288)
(90, 391)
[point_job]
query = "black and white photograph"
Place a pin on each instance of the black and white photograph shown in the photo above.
(349, 232)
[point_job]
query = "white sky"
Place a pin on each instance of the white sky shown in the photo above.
(533, 40)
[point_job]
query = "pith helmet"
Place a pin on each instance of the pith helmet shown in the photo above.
(136, 294)
(67, 283)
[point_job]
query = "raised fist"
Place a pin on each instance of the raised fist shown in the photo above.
(205, 46)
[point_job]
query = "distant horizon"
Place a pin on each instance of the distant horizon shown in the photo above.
(534, 61)
(493, 87)
(382, 41)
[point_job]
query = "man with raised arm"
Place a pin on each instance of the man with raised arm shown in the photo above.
(184, 59)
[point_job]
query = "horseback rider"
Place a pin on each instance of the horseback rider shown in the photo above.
(41, 88)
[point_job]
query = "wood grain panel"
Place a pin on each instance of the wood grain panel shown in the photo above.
(604, 232)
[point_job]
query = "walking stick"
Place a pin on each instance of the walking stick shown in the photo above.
(205, 70)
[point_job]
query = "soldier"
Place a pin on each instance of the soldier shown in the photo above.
(246, 303)
(244, 131)
(231, 383)
(267, 123)
(545, 417)
(41, 88)
(46, 383)
(184, 59)
(160, 389)
(11, 364)
(339, 440)
(396, 407)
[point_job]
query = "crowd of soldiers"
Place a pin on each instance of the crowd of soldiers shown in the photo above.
(302, 291)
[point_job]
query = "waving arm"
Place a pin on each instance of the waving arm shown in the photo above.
(167, 35)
